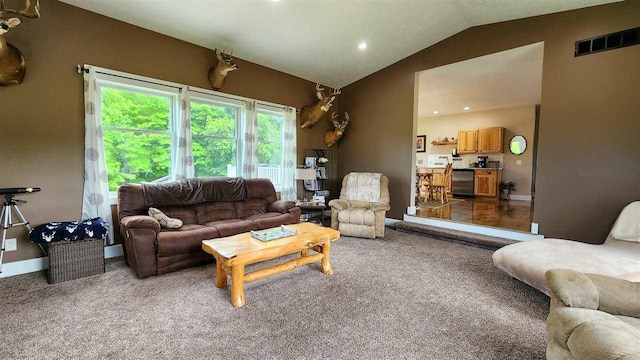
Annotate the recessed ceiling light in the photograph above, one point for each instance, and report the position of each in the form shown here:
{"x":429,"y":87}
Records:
{"x":362,"y":46}
{"x":435,"y":112}
{"x":467,"y":108}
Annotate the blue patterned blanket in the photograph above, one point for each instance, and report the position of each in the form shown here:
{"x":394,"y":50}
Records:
{"x":69,"y":230}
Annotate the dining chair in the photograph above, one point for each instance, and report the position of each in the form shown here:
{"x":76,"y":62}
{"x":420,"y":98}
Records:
{"x":440,"y":188}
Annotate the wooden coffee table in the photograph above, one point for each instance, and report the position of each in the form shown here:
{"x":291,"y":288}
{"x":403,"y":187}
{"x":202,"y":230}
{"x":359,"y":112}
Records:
{"x":233,"y":253}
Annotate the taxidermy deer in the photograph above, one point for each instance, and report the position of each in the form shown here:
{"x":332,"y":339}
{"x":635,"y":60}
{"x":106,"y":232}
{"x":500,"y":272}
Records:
{"x":12,"y":66}
{"x":218,"y":73}
{"x":311,"y":114}
{"x":332,"y":136}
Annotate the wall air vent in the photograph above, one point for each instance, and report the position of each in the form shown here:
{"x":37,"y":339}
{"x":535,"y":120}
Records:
{"x":611,"y":41}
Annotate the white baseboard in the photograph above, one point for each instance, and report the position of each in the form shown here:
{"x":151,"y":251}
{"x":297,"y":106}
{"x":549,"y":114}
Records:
{"x":42,"y":263}
{"x":520,"y":197}
{"x":476,"y":229}
{"x":388,"y":221}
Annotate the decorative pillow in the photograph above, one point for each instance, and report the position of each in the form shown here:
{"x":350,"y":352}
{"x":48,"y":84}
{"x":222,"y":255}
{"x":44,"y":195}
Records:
{"x":627,"y":226}
{"x":164,"y":220}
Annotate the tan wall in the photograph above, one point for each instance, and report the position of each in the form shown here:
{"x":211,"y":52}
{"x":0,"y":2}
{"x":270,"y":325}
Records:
{"x":588,"y":159}
{"x":42,"y":122}
{"x":516,"y":121}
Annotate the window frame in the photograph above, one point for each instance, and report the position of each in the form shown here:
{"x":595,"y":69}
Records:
{"x":240,"y":116}
{"x":271,"y":110}
{"x":143,"y":87}
{"x":247,"y":110}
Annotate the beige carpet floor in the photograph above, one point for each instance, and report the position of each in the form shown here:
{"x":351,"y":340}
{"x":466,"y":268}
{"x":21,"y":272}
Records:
{"x":403,"y":297}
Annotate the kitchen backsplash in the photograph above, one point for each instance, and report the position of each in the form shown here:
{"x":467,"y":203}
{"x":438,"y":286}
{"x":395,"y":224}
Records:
{"x":460,"y":162}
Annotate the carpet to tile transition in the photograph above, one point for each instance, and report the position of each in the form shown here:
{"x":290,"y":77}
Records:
{"x":404,"y":296}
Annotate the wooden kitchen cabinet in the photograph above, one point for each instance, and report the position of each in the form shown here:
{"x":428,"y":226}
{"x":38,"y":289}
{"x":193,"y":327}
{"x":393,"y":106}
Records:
{"x":467,"y":141}
{"x":490,"y":140}
{"x":486,"y":182}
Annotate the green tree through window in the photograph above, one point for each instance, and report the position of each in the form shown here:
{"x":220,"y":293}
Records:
{"x":215,"y":145}
{"x":137,"y":141}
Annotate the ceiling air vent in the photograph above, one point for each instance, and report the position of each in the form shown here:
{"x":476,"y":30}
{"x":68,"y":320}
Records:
{"x":611,"y":41}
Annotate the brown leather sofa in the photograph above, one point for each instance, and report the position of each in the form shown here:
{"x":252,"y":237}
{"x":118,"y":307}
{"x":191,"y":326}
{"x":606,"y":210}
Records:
{"x":208,"y":207}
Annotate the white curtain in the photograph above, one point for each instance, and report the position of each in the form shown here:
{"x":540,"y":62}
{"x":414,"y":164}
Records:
{"x":95,"y":197}
{"x":250,"y":159}
{"x":183,"y":163}
{"x":290,"y":156}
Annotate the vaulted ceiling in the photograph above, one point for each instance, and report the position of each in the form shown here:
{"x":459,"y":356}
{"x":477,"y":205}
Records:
{"x":318,"y":40}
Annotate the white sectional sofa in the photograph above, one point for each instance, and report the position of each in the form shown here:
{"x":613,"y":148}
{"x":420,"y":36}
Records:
{"x":619,"y":256}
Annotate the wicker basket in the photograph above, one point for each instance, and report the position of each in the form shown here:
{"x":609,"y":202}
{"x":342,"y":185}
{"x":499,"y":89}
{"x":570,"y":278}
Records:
{"x":70,"y":260}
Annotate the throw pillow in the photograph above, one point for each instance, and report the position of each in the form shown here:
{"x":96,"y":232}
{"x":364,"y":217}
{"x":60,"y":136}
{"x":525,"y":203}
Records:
{"x":164,"y":220}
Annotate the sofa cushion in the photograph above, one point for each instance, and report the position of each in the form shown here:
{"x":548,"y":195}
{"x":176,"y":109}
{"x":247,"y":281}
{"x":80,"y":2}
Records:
{"x":250,"y":207}
{"x":528,"y":261}
{"x":272,"y":219}
{"x":232,"y":226}
{"x":187,"y":239}
{"x":214,"y":211}
{"x":357,"y":217}
{"x":186,"y":213}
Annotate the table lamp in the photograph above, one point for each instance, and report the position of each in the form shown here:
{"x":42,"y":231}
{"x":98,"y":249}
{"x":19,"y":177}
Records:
{"x":305,"y":174}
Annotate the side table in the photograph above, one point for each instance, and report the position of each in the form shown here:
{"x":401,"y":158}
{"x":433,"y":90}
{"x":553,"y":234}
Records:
{"x":314,"y":211}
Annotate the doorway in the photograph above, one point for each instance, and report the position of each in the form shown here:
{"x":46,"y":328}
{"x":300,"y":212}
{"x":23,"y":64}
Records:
{"x":480,"y":116}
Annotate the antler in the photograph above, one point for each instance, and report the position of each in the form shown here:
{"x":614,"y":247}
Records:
{"x":334,"y":115}
{"x":318,"y":88}
{"x":335,"y":92}
{"x":24,"y":12}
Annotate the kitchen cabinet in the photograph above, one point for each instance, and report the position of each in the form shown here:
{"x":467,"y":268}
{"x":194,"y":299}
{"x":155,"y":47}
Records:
{"x":486,"y":182}
{"x":490,"y":140}
{"x":481,"y":141}
{"x":467,"y":141}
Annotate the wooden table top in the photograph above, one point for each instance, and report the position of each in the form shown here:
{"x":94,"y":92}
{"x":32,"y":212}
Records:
{"x":232,"y":246}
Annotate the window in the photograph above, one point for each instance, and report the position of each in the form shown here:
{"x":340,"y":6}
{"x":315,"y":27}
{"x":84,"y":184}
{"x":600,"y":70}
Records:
{"x":270,"y":132}
{"x":214,"y":131}
{"x":136,"y":133}
{"x":143,"y":133}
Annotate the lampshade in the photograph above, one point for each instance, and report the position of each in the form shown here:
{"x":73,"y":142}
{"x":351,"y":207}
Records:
{"x":305,"y":174}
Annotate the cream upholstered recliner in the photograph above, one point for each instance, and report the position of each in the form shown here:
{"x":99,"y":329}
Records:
{"x":364,"y":200}
{"x":592,"y":317}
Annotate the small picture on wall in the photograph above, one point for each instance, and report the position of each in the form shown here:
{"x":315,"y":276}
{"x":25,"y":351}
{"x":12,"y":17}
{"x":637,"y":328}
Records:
{"x":421,"y":142}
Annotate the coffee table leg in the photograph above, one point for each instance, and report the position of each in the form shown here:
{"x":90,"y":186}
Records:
{"x":221,"y":275}
{"x":326,"y":265}
{"x":237,"y":285}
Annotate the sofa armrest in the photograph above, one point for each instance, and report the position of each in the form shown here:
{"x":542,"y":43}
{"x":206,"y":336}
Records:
{"x":339,"y":204}
{"x":140,"y":222}
{"x":380,"y":206}
{"x":572,"y":288}
{"x":281,"y":206}
{"x":617,"y":296}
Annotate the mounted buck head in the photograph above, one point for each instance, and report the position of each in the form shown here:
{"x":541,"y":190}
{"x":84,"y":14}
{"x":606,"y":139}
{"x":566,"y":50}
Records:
{"x":332,"y":136}
{"x":218,"y":73}
{"x":12,"y":66}
{"x":311,"y":114}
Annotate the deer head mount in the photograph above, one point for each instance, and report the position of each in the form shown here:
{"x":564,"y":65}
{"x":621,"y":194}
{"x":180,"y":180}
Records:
{"x":218,"y":73}
{"x":332,"y":136}
{"x":311,"y":114}
{"x":12,"y":66}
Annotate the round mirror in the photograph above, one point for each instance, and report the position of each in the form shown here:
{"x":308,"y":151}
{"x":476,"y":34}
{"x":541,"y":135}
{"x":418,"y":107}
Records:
{"x":518,"y":145}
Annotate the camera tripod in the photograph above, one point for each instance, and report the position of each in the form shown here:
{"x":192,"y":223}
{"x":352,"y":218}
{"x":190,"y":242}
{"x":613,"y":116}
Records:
{"x":5,"y":220}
